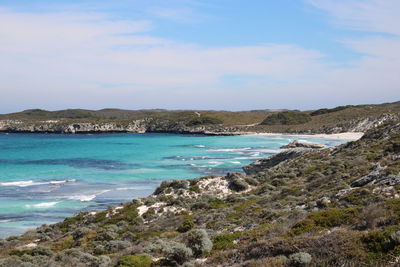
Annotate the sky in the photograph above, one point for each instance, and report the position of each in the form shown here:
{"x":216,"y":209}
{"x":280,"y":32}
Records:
{"x":198,"y":54}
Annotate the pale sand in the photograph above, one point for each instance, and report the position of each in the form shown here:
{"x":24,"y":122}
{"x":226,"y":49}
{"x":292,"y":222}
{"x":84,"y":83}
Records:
{"x":352,"y":136}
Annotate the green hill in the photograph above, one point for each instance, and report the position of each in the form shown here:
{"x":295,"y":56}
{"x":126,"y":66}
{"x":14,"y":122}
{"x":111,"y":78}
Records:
{"x":339,"y":119}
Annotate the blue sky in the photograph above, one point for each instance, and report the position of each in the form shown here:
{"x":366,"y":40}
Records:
{"x":200,"y":54}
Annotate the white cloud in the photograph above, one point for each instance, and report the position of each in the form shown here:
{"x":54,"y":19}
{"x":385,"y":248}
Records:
{"x":374,"y":76}
{"x":182,"y":14}
{"x":366,"y":15}
{"x":89,"y":60}
{"x":82,"y":57}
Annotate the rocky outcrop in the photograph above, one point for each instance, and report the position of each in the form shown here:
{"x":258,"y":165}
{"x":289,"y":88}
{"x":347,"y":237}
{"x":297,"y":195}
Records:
{"x":361,"y":125}
{"x":274,"y":160}
{"x":296,"y":144}
{"x":377,"y":177}
{"x":370,"y":123}
{"x":62,"y":127}
{"x":148,"y":125}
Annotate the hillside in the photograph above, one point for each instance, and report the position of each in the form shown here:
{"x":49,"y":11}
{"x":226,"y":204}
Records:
{"x":303,"y":207}
{"x":340,"y":119}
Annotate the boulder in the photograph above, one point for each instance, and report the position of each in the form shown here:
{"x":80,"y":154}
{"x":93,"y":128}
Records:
{"x":296,"y":144}
{"x":274,"y":160}
{"x":378,"y":178}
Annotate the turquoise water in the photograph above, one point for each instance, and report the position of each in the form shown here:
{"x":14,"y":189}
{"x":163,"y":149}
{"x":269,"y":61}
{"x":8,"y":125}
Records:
{"x":44,"y":177}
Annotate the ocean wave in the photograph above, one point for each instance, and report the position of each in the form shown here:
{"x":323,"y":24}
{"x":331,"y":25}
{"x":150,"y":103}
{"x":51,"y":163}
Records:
{"x":126,"y":188}
{"x":236,"y":162}
{"x":267,"y":150}
{"x":83,"y":198}
{"x":32,"y":183}
{"x":182,"y":158}
{"x":87,"y":198}
{"x":198,"y":165}
{"x":230,"y":149}
{"x":196,"y":146}
{"x":215,"y":163}
{"x":7,"y":220}
{"x":42,"y":205}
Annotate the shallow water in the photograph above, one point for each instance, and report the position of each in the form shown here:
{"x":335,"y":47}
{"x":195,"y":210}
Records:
{"x":44,"y":177}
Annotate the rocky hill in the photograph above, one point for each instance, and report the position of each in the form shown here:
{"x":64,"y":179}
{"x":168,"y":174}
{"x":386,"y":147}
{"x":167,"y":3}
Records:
{"x":341,"y":119}
{"x":305,"y":207}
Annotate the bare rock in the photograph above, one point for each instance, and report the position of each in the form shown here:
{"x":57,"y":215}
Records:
{"x":296,"y":144}
{"x":274,"y":160}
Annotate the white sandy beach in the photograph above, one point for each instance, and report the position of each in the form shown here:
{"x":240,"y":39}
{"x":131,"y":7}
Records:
{"x":351,"y":136}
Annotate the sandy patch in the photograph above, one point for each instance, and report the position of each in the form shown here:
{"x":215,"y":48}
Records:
{"x":345,"y":136}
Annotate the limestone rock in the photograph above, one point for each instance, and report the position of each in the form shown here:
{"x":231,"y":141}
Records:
{"x":296,"y":144}
{"x":274,"y":160}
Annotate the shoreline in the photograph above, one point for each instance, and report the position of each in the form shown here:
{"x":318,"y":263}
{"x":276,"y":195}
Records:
{"x":351,"y":136}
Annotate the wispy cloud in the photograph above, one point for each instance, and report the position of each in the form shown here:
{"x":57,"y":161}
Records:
{"x":76,"y":54}
{"x":93,"y":60}
{"x":375,"y":74}
{"x":181,"y":14}
{"x":366,"y":15}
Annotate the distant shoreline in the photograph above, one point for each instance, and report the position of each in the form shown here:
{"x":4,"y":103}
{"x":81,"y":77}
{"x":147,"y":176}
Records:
{"x":351,"y":136}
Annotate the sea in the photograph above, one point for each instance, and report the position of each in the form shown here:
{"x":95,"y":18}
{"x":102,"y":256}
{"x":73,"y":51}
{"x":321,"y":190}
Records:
{"x":45,"y":178}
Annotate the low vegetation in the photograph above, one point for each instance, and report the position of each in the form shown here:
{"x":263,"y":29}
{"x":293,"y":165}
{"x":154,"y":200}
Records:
{"x":326,"y":120}
{"x":287,"y":118}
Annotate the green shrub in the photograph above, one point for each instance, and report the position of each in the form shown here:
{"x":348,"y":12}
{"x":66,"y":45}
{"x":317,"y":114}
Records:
{"x":304,"y":226}
{"x":70,"y":222}
{"x":64,"y":243}
{"x":334,"y":217}
{"x":179,"y":254}
{"x":299,"y":259}
{"x":160,"y":189}
{"x":317,"y":221}
{"x":394,"y":205}
{"x":224,"y":241}
{"x":135,"y":261}
{"x":149,"y":213}
{"x":194,"y":188}
{"x":38,"y":251}
{"x":382,"y":241}
{"x":328,"y":110}
{"x":203,"y":120}
{"x":187,"y":223}
{"x":237,"y":182}
{"x":199,"y":242}
{"x":217,"y":203}
{"x":287,"y":118}
{"x":42,"y":251}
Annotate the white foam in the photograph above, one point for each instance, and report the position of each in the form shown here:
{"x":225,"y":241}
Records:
{"x":83,"y":198}
{"x":269,"y":151}
{"x":199,"y":146}
{"x":215,"y":163}
{"x":32,"y":183}
{"x":236,"y":162}
{"x":229,"y":149}
{"x":87,"y":198}
{"x":42,"y":205}
{"x":7,"y":220}
{"x":126,"y":188}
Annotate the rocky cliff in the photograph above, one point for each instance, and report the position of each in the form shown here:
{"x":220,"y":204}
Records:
{"x":149,"y":125}
{"x":156,"y":125}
